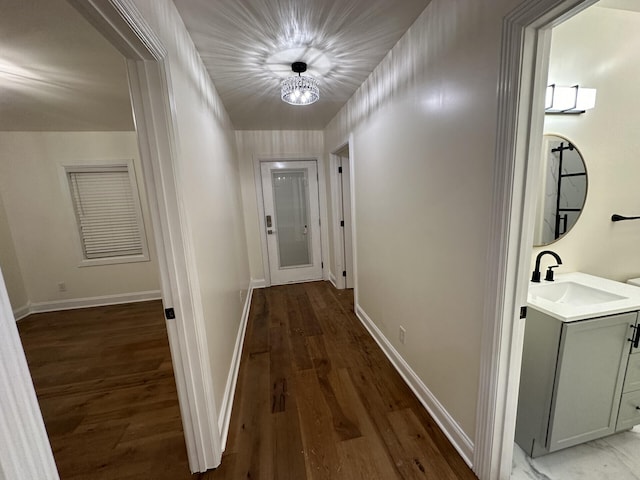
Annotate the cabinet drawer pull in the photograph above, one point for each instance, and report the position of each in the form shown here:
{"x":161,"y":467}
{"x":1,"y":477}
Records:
{"x":636,"y":336}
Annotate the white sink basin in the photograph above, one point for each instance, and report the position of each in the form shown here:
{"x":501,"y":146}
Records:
{"x":578,"y":296}
{"x":572,"y":293}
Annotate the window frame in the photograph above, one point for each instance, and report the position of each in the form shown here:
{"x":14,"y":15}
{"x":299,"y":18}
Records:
{"x":135,"y":193}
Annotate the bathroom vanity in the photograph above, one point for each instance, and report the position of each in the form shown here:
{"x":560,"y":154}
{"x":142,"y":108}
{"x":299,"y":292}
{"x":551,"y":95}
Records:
{"x":580,"y":376}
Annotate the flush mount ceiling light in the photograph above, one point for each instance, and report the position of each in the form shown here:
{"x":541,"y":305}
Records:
{"x":569,"y":99}
{"x":299,"y":90}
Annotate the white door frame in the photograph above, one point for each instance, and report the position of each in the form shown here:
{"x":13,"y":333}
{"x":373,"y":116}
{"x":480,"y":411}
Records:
{"x":322,"y":191}
{"x":153,"y":107}
{"x":526,"y":40}
{"x":299,"y":273}
{"x":338,"y":214}
{"x":25,"y":451}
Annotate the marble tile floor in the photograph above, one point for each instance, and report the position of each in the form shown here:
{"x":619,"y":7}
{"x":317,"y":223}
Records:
{"x":616,"y":457}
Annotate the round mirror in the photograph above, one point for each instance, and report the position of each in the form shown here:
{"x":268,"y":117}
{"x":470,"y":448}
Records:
{"x":563,"y":189}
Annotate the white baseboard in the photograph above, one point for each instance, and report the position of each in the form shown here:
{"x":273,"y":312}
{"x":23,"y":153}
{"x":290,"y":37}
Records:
{"x":224,"y":418}
{"x":332,"y":279}
{"x":21,"y":312}
{"x":258,"y":283}
{"x":101,"y":301}
{"x":445,"y":421}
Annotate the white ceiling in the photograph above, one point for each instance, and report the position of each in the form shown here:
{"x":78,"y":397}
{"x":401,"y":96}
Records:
{"x":57,"y":73}
{"x":248,"y":47}
{"x":631,"y":5}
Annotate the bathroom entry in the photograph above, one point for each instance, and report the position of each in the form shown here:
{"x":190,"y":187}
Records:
{"x":575,"y":60}
{"x":292,"y":220}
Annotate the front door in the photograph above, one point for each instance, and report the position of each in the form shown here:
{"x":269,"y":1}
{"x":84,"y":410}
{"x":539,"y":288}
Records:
{"x":292,"y":220}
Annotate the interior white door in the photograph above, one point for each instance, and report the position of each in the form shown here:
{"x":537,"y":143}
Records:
{"x":292,"y":220}
{"x":345,"y":187}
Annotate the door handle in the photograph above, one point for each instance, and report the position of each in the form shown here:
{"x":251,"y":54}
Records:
{"x":636,"y":336}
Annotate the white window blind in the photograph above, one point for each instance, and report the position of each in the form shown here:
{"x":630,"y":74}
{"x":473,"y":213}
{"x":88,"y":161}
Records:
{"x":108,"y":212}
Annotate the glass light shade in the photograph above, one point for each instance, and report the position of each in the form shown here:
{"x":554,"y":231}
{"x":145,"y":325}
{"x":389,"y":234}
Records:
{"x":548,"y":99}
{"x":586,"y":99}
{"x":564,"y":98}
{"x":299,"y":90}
{"x":569,"y":99}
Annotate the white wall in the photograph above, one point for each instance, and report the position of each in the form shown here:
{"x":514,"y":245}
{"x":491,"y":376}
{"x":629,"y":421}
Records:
{"x":424,"y":127}
{"x":9,"y":265}
{"x":263,"y":145}
{"x":209,"y":183}
{"x":598,"y":48}
{"x":42,"y":222}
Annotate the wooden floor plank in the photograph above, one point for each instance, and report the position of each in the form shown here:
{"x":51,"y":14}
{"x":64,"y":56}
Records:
{"x":318,"y":434}
{"x":337,"y":408}
{"x":106,"y":389}
{"x":254,"y":453}
{"x":359,"y":464}
{"x":419,"y":451}
{"x":316,"y":398}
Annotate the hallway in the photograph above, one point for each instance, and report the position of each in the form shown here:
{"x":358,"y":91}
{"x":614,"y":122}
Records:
{"x":317,"y":399}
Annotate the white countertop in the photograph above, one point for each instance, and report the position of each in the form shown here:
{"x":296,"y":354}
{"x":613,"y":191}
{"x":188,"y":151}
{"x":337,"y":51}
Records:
{"x":629,"y":301}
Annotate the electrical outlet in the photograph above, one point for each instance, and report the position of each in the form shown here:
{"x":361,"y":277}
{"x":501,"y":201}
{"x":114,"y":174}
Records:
{"x":402,"y":334}
{"x":62,"y":287}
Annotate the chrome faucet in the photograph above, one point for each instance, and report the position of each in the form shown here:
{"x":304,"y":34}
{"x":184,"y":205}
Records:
{"x":549,"y":276}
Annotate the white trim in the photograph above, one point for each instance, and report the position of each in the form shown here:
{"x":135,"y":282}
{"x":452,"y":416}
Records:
{"x":354,"y":239}
{"x":460,"y":440}
{"x":150,"y":86}
{"x":258,"y":283}
{"x":257,"y":177}
{"x":324,"y":217}
{"x":224,"y":418}
{"x":21,"y":312}
{"x":123,"y":26}
{"x":25,"y":451}
{"x":522,"y":78}
{"x":336,"y":207}
{"x":88,"y":302}
{"x":332,"y":279}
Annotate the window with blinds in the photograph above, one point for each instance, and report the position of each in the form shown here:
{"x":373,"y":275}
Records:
{"x":107,"y":207}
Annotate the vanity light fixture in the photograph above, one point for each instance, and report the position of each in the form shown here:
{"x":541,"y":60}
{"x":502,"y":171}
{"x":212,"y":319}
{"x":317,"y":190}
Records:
{"x":299,"y":90}
{"x":569,"y":99}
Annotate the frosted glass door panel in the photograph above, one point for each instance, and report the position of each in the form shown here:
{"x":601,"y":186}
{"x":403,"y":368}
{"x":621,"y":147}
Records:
{"x":291,"y":202}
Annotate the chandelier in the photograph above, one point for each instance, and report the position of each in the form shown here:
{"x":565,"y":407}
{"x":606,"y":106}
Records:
{"x":299,"y":90}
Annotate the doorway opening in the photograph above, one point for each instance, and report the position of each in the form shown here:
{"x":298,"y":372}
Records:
{"x":526,"y":62}
{"x":580,"y":150}
{"x":123,"y":26}
{"x":342,"y":275}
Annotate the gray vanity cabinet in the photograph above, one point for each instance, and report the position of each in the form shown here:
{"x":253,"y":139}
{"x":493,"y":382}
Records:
{"x":629,"y":415}
{"x":572,"y":380}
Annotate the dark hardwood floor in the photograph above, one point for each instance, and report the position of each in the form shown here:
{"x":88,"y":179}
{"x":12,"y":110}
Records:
{"x":316,"y":398}
{"x":105,"y":384}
